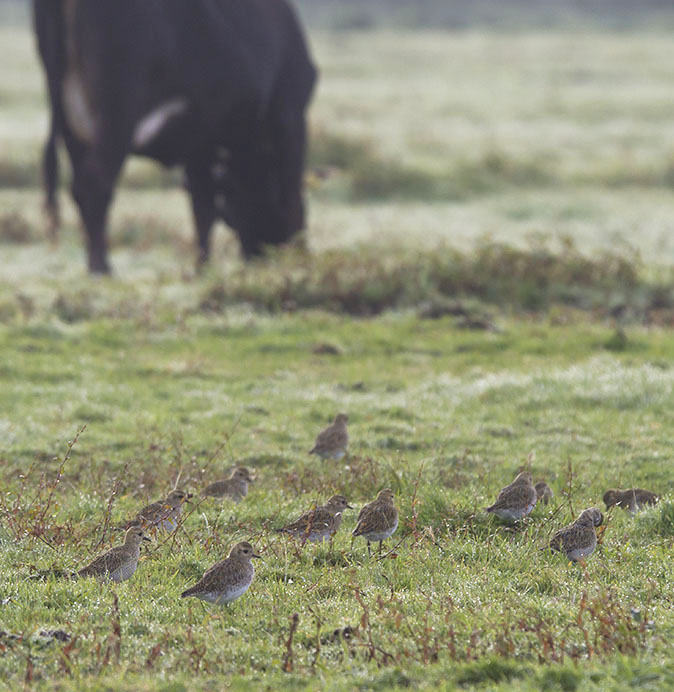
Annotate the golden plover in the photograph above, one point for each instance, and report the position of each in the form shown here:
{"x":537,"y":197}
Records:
{"x":543,"y":492}
{"x":378,"y":520}
{"x":227,"y":579}
{"x":579,"y":539}
{"x":332,"y":442}
{"x":516,"y":500}
{"x":118,"y":563}
{"x":164,"y":514}
{"x":631,"y":500}
{"x":320,"y":523}
{"x":235,"y":487}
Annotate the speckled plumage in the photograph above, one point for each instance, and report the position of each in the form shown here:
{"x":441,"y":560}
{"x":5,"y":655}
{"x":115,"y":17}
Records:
{"x":543,"y":492}
{"x":578,"y":539}
{"x":319,"y":523}
{"x":632,"y":499}
{"x":118,"y":563}
{"x":378,"y":520}
{"x":235,"y":487}
{"x":164,"y":514}
{"x":228,"y":579}
{"x":332,"y":442}
{"x":516,"y":500}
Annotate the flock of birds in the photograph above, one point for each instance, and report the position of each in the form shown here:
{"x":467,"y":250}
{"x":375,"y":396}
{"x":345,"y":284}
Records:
{"x":230,"y":578}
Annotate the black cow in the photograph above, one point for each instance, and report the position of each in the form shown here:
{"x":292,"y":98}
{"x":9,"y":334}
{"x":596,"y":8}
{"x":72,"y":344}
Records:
{"x":217,"y":86}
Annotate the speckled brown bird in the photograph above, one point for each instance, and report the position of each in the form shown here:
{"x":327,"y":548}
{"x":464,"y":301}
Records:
{"x":543,"y":492}
{"x":235,"y":487}
{"x":579,"y":539}
{"x":320,"y":523}
{"x":164,"y":514}
{"x":118,"y":563}
{"x":332,"y":442}
{"x":226,"y":580}
{"x":516,"y":500}
{"x":378,"y":520}
{"x":632,"y":499}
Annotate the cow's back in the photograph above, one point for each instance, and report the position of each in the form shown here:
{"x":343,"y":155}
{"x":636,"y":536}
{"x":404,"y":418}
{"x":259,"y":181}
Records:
{"x":224,"y":59}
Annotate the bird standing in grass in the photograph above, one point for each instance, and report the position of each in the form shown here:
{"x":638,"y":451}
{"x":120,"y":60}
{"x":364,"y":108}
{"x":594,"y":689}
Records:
{"x":164,"y":514}
{"x":235,"y":487}
{"x":118,"y":563}
{"x":332,"y":442}
{"x":543,"y":492}
{"x":578,"y":539}
{"x":378,"y":520}
{"x":319,"y":523}
{"x":226,"y":580}
{"x":516,"y":500}
{"x":631,"y":500}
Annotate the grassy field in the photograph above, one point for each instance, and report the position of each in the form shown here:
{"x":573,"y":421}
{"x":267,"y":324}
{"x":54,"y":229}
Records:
{"x":487,"y":287}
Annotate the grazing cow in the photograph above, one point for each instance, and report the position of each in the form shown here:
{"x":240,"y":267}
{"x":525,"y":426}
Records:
{"x":219,"y":87}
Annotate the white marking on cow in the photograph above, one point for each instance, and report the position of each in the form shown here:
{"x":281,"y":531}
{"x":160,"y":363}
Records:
{"x":76,"y":106}
{"x":150,"y":125}
{"x":78,"y":111}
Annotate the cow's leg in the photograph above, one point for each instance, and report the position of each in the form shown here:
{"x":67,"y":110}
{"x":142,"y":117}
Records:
{"x":201,"y":186}
{"x":50,"y":173}
{"x":94,"y":178}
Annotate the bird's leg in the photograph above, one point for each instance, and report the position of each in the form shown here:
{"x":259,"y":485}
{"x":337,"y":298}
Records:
{"x":369,"y":554}
{"x":381,"y":543}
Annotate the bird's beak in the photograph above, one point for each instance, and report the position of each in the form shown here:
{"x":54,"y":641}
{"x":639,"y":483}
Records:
{"x":348,"y":506}
{"x":259,"y":557}
{"x":147,"y":538}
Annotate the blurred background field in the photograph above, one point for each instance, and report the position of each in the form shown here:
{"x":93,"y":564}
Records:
{"x":488,"y":285}
{"x":443,"y":135}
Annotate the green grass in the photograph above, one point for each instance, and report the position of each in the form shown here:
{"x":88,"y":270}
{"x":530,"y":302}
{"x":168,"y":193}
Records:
{"x":443,"y":416}
{"x":486,"y":286}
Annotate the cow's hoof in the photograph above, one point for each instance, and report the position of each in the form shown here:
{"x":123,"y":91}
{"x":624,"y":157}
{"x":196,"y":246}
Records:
{"x":99,"y":270}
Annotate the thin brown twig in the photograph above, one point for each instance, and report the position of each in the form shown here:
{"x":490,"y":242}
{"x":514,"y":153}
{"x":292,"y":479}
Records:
{"x":59,"y":473}
{"x":288,"y":657}
{"x":222,"y":445}
{"x":392,"y":550}
{"x":111,"y":500}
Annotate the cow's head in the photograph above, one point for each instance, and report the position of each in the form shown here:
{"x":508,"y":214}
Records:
{"x":264,"y":200}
